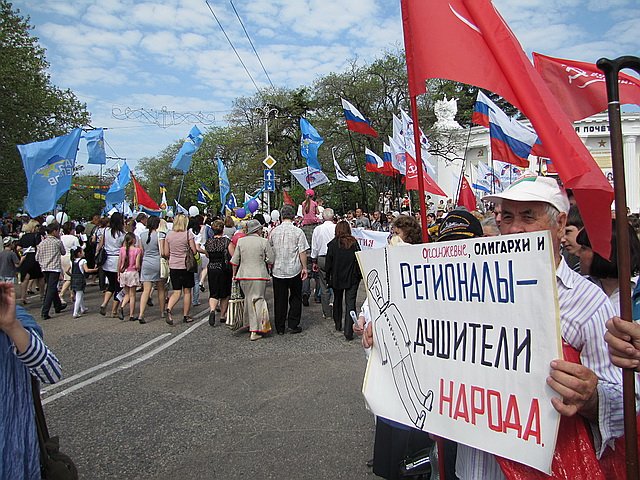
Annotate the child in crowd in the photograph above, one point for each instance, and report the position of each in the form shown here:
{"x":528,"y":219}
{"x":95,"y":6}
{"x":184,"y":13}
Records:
{"x":78,"y":272}
{"x":9,"y":261}
{"x":129,"y":273}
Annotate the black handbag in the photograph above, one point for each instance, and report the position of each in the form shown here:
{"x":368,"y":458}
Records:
{"x":54,"y":464}
{"x":101,"y":257}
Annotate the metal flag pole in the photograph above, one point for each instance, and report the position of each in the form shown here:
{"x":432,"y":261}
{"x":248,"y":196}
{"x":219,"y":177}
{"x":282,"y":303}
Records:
{"x":365,"y":204}
{"x":611,"y":68}
{"x":416,"y":140}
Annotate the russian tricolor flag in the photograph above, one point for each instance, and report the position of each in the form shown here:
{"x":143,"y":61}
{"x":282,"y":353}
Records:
{"x":356,"y":121}
{"x":511,"y":141}
{"x":373,"y":163}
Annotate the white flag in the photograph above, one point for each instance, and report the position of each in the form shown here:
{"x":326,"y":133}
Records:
{"x":309,"y":177}
{"x":340,"y":175}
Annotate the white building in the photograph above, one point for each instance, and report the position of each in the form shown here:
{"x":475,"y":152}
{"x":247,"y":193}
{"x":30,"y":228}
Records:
{"x":594,"y":132}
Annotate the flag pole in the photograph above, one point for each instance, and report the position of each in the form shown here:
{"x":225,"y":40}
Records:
{"x":416,"y":141}
{"x":184,"y":174}
{"x":611,"y":69}
{"x":464,"y":164}
{"x":364,"y":195}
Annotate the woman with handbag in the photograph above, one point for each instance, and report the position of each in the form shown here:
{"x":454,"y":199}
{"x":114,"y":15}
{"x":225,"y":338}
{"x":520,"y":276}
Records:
{"x":343,"y":275}
{"x":249,"y":262}
{"x":110,"y":242}
{"x":219,"y":271}
{"x":180,"y":250}
{"x":152,"y":242}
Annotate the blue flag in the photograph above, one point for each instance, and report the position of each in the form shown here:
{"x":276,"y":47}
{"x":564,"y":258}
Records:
{"x":48,"y":166}
{"x":189,"y":147}
{"x":116,"y":190}
{"x":180,"y":209}
{"x":223,"y":182}
{"x":309,"y":144}
{"x":231,"y":202}
{"x":95,"y":147}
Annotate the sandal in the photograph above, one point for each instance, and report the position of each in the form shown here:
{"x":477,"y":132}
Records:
{"x":142,"y":320}
{"x":169,"y":318}
{"x":187,"y":319}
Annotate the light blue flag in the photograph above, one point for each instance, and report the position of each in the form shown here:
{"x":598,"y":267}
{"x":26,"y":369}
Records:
{"x":223,"y":182}
{"x":115,"y":194}
{"x":95,"y":147}
{"x":189,"y":147}
{"x":48,"y":166}
{"x":309,"y":144}
{"x":196,"y":136}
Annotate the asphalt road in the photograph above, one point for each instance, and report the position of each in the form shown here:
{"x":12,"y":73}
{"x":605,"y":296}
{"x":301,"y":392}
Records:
{"x":195,"y":402}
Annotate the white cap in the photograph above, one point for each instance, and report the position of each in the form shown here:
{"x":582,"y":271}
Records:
{"x":534,"y":189}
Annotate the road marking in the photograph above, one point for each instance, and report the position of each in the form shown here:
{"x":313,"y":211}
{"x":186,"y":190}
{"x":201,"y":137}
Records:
{"x":104,"y":364}
{"x":129,"y":364}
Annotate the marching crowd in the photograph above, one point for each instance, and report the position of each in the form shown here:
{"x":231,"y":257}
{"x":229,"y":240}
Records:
{"x":130,"y":258}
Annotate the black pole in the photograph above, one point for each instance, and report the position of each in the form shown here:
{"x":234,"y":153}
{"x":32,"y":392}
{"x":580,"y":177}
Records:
{"x":364,"y":194}
{"x":611,"y":68}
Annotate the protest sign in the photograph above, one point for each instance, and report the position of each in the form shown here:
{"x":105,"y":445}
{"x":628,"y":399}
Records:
{"x":464,"y":333}
{"x":368,"y":239}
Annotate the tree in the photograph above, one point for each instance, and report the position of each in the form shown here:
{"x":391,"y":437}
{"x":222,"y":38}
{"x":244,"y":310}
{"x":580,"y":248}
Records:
{"x":31,"y":107}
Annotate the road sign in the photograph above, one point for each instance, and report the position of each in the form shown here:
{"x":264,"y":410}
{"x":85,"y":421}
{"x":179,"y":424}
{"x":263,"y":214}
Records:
{"x":269,"y":162}
{"x":269,"y":175}
{"x":270,"y":185}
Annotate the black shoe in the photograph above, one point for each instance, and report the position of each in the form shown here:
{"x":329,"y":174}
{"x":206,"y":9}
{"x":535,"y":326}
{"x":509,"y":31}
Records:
{"x":45,"y":317}
{"x":201,"y":288}
{"x":305,"y":300}
{"x":150,"y":303}
{"x":142,"y":320}
{"x":297,"y":329}
{"x":212,"y":318}
{"x":280,"y":332}
{"x":348,"y":337}
{"x":62,"y":307}
{"x":338,"y":328}
{"x":370,"y":463}
{"x":133,"y":319}
{"x":121,"y":313}
{"x":103,"y":310}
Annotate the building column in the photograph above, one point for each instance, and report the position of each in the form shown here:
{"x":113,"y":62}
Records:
{"x":631,"y":172}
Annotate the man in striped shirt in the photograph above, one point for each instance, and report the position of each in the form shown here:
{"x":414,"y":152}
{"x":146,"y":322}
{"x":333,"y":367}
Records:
{"x":593,"y":388}
{"x":23,"y":354}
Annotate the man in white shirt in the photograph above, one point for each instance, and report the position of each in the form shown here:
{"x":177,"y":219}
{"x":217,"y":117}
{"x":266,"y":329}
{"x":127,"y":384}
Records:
{"x":289,"y":270}
{"x":141,"y":224}
{"x":322,"y":235}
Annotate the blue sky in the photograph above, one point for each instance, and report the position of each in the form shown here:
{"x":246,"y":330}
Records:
{"x":138,"y":54}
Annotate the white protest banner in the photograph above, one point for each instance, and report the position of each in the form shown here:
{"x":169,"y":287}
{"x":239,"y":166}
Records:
{"x":464,"y":332}
{"x":369,"y":239}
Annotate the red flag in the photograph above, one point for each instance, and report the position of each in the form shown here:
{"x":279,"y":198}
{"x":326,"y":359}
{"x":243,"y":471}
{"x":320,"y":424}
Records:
{"x":286,"y":199}
{"x":142,"y":198}
{"x":411,"y":178}
{"x":466,"y":198}
{"x":468,"y":41}
{"x":580,"y":86}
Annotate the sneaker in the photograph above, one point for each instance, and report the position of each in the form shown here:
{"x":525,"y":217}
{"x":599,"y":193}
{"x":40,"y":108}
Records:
{"x":76,"y":316}
{"x":212,"y":318}
{"x":84,"y":310}
{"x":255,"y":336}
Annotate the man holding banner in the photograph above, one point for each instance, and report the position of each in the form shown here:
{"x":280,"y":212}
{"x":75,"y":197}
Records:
{"x":586,"y":388}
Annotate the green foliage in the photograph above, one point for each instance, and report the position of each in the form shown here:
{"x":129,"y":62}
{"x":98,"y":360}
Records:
{"x":31,"y":107}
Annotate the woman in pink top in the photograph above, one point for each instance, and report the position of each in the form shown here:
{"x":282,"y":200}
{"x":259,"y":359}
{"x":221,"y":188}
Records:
{"x":129,"y":262}
{"x":310,"y":209}
{"x":178,"y":241}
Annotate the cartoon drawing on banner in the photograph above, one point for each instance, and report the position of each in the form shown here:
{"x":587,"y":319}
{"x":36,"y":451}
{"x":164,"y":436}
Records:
{"x":392,"y":335}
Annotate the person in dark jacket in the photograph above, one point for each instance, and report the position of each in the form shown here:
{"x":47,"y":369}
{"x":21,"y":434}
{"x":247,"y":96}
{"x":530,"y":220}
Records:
{"x":343,"y":275}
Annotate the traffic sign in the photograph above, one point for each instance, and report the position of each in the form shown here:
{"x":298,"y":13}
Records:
{"x":269,"y":162}
{"x":269,"y":175}
{"x":270,"y":185}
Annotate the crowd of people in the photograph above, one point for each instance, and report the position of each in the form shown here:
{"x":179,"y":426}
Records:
{"x":310,"y":254}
